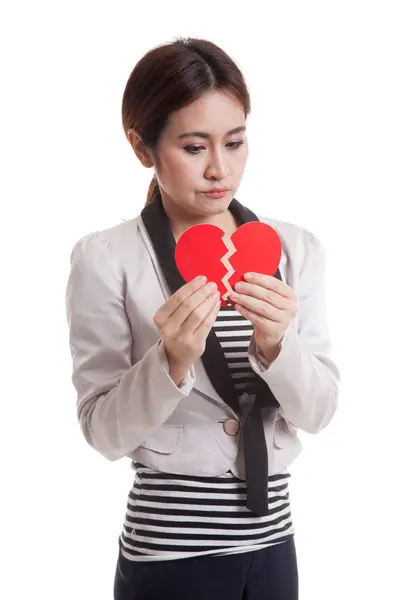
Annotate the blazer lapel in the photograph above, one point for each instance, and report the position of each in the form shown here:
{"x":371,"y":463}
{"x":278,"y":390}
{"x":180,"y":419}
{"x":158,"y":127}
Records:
{"x":158,"y":228}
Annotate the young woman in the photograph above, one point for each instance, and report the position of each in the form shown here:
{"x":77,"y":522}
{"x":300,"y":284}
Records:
{"x":205,"y":400}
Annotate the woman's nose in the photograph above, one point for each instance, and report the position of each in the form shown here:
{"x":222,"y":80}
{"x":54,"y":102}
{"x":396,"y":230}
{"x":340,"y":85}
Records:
{"x":217,"y":167}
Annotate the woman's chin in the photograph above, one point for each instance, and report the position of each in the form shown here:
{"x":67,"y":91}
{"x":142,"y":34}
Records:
{"x":215,"y":205}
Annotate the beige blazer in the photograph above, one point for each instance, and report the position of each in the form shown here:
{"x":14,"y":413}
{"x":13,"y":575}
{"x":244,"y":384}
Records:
{"x":128,"y":405}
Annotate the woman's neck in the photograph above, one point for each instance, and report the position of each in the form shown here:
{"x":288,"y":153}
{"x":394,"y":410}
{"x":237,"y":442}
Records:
{"x":225,"y":221}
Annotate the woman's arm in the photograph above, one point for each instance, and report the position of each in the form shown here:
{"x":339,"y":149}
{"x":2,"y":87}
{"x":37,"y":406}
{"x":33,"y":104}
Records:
{"x":119,"y":405}
{"x":303,"y":377}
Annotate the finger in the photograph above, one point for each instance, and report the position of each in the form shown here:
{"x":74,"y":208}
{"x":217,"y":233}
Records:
{"x":270,"y":282}
{"x":259,"y":307}
{"x":256,"y":291}
{"x":259,"y":322}
{"x":200,"y":314}
{"x":209,"y":319}
{"x":191,"y":304}
{"x":174,"y":301}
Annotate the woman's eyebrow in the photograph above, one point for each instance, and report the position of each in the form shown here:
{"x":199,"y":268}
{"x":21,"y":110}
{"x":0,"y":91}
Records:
{"x":207,"y":135}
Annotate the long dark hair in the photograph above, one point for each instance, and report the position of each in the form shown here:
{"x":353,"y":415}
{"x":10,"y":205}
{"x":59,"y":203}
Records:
{"x":171,"y":76}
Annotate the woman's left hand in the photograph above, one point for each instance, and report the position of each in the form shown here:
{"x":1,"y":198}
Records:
{"x":270,"y":305}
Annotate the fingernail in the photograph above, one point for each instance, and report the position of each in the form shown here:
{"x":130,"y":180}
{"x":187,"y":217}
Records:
{"x":249,"y":276}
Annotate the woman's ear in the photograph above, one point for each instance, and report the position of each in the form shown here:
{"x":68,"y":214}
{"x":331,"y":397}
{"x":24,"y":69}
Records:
{"x":142,"y":152}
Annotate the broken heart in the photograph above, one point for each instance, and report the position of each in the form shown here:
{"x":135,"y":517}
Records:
{"x":206,"y":250}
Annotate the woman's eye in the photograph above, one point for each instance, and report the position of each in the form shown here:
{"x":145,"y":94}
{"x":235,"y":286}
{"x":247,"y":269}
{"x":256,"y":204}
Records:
{"x":235,"y":145}
{"x":193,"y":149}
{"x":196,"y":149}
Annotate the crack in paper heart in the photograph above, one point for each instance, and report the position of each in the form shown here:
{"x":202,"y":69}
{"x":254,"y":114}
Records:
{"x":226,"y":262}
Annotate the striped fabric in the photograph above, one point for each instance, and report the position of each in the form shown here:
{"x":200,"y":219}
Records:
{"x":171,"y":516}
{"x":234,"y":333}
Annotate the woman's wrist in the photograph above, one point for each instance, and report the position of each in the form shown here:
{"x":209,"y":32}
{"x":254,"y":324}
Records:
{"x":177,"y":370}
{"x":178,"y":373}
{"x":269,"y":353}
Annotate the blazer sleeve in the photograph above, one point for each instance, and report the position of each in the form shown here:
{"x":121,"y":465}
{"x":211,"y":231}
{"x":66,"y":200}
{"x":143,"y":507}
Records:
{"x":119,"y":404}
{"x":303,"y":378}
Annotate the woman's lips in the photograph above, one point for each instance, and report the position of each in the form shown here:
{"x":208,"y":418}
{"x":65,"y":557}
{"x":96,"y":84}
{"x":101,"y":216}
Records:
{"x":216,"y":194}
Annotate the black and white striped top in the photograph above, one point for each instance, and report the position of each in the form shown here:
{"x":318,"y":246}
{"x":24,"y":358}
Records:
{"x":173,"y":516}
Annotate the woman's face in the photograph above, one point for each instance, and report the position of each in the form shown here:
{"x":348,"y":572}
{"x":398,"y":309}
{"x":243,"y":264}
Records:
{"x":203,"y":147}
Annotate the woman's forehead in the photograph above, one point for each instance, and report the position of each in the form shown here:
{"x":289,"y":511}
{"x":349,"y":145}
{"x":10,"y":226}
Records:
{"x":214,"y":113}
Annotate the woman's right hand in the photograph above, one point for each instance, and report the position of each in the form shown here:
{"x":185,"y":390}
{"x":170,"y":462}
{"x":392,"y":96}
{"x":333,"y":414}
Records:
{"x":185,"y":320}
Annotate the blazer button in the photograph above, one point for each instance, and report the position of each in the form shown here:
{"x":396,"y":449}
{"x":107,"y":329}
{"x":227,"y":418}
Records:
{"x":231,"y":426}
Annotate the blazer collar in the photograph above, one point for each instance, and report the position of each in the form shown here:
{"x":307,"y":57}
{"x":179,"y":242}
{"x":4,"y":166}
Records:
{"x":161,"y":237}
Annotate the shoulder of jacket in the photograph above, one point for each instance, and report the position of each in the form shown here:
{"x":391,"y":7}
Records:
{"x":105,"y":241}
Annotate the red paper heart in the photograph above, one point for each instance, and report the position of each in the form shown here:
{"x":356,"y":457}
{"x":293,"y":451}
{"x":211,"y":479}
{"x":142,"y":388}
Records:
{"x":257,"y":248}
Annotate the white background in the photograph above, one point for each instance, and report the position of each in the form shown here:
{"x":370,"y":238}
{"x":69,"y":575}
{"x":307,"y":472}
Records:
{"x":324,"y":154}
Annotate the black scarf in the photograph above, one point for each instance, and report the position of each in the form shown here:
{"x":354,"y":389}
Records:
{"x":255,"y":449}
